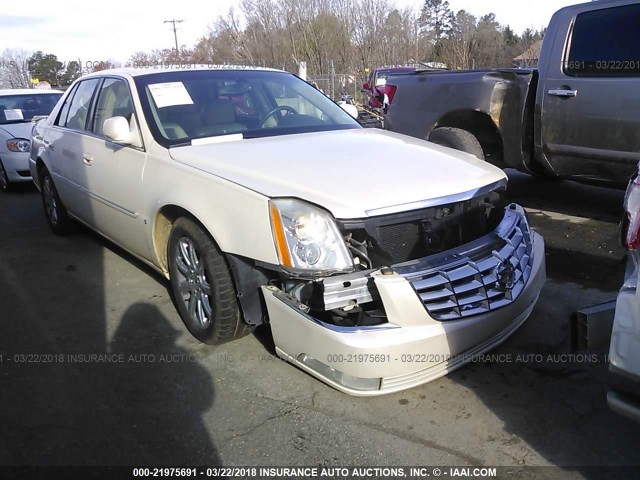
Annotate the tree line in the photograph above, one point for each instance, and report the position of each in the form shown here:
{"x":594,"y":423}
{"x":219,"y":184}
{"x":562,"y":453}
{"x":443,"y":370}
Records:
{"x":342,"y":36}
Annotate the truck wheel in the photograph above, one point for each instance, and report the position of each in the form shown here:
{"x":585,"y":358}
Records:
{"x":458,"y":139}
{"x":202,"y":286}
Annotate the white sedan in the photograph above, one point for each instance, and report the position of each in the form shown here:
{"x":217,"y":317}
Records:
{"x":380,"y":261}
{"x":17,"y":108}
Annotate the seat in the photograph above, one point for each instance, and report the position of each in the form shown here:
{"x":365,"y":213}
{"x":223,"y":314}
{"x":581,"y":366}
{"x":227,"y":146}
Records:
{"x":184,"y":116}
{"x":219,"y":118}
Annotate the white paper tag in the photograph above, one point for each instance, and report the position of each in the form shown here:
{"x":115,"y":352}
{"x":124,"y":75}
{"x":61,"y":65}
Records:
{"x":13,"y":114}
{"x":170,"y":94}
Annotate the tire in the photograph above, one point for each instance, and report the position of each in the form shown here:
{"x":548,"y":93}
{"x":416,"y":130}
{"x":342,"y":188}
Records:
{"x":5,"y":185}
{"x":202,"y":287}
{"x":457,"y":139}
{"x":55,"y":211}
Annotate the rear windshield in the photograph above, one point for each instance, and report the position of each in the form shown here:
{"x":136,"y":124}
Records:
{"x":22,"y":108}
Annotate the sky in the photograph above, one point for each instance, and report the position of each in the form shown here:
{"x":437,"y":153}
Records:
{"x":115,"y":29}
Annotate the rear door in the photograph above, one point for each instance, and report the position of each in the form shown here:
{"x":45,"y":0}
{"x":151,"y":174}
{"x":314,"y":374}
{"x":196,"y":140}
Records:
{"x":590,"y":101}
{"x":65,"y":142}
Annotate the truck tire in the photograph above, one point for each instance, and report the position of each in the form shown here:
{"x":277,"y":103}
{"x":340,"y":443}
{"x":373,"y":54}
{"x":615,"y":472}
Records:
{"x":457,"y":139}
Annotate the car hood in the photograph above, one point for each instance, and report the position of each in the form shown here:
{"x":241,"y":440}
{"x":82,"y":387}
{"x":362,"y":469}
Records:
{"x":17,"y":130}
{"x":352,"y":173}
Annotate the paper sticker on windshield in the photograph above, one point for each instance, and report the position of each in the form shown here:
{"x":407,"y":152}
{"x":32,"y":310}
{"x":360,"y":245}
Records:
{"x":13,"y":114}
{"x":170,"y":94}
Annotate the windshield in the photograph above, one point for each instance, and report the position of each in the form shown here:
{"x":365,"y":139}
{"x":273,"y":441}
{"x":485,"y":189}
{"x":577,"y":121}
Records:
{"x":22,"y":108}
{"x":185,"y":105}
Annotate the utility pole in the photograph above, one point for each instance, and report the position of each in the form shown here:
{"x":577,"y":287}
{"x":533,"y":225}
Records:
{"x":175,"y":35}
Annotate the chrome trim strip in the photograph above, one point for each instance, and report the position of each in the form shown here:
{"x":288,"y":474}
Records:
{"x":433,"y":202}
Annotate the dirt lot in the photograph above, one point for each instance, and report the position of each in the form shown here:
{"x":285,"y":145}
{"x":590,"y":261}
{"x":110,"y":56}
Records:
{"x":72,"y":308}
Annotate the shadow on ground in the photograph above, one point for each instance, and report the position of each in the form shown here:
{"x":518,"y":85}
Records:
{"x":70,"y":395}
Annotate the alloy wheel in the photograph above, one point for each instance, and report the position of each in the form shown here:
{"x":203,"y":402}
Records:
{"x":194,"y":288}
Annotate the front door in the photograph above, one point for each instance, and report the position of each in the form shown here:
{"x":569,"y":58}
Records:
{"x":590,"y":101}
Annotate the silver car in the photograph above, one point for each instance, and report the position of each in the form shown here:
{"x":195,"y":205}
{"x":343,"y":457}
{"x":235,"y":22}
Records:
{"x":624,"y":396}
{"x":17,"y":109}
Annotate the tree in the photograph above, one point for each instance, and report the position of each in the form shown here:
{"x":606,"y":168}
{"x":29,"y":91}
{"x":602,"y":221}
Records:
{"x":72,"y":72}
{"x":14,"y":72}
{"x":436,"y":20}
{"x":45,"y":67}
{"x":460,"y":46}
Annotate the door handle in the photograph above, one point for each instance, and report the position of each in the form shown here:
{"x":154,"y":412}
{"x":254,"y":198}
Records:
{"x":87,"y":160}
{"x":563,"y":93}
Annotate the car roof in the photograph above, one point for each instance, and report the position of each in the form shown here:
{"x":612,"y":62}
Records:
{"x":25,"y":91}
{"x":152,"y":70}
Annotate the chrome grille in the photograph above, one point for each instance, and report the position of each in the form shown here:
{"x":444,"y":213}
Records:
{"x":473,"y":284}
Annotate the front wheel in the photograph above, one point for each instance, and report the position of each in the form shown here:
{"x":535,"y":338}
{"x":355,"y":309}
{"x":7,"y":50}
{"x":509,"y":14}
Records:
{"x":457,"y":139}
{"x":202,"y":286}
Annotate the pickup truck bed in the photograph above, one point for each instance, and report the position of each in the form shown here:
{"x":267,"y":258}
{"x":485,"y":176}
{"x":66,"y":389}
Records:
{"x":575,"y":116}
{"x":494,"y":105}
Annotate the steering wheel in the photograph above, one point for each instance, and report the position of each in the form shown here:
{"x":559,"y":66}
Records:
{"x":278,"y":109}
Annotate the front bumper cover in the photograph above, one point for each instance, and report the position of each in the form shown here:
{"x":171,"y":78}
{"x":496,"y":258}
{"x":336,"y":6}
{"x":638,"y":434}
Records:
{"x":16,"y":164}
{"x":413,"y":347}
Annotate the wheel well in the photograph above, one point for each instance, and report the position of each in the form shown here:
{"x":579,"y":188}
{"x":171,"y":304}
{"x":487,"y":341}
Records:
{"x":164,"y":221}
{"x":482,"y":127}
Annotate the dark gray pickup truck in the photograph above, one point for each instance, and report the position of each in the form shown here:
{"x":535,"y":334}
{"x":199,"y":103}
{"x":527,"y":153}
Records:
{"x":577,"y":116}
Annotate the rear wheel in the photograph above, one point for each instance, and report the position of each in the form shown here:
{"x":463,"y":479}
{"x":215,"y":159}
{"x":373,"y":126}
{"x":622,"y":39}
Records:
{"x":5,"y":185}
{"x":55,"y":211}
{"x":457,"y":139}
{"x":202,"y":286}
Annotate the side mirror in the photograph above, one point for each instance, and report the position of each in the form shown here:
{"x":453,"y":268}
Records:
{"x":366,"y":86}
{"x":37,"y":118}
{"x":117,"y":130}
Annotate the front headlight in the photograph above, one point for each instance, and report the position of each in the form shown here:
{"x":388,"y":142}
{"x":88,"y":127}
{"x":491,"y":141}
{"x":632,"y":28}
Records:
{"x":18,"y":145}
{"x":307,"y":237}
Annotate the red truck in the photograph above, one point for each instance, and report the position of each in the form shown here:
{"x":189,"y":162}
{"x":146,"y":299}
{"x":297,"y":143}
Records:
{"x":375,"y":87}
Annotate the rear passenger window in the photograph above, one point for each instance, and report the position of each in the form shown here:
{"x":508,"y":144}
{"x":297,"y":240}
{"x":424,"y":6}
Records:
{"x":64,"y":111}
{"x":605,"y":43}
{"x":80,"y":104}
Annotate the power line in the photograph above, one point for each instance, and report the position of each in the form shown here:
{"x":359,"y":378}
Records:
{"x":175,"y":35}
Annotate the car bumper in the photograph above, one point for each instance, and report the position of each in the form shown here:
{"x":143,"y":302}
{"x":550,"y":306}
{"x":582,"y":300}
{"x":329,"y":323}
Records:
{"x":624,"y":351}
{"x":16,"y":164}
{"x":413,"y":347}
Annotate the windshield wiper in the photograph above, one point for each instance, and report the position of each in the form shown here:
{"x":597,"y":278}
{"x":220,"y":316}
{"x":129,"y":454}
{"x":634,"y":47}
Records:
{"x":183,"y":144}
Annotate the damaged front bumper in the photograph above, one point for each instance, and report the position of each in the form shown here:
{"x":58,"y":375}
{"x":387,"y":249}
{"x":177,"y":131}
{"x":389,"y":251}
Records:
{"x":441,"y":311}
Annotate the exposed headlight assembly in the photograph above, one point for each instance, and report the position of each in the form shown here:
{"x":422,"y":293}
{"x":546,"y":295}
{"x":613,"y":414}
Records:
{"x":18,"y":145}
{"x":307,"y":238}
